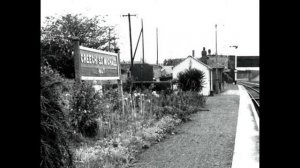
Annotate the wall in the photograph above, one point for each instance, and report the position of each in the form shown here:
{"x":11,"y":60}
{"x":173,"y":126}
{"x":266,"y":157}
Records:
{"x":142,"y":72}
{"x":248,"y":75}
{"x":194,"y":64}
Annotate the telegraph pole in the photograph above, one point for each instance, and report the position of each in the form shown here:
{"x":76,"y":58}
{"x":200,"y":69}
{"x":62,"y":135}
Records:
{"x":131,"y":57}
{"x":157,"y":45}
{"x":217,"y":76}
{"x":109,"y":29}
{"x":216,"y":41}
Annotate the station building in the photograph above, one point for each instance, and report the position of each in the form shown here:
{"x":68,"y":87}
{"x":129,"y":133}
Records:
{"x":191,"y":62}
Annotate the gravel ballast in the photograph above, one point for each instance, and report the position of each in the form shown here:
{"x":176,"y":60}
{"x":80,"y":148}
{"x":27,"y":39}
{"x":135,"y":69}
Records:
{"x":205,"y":142}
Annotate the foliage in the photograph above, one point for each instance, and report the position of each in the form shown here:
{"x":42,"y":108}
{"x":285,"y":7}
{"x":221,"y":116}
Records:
{"x":56,"y":44}
{"x":122,"y":149}
{"x":162,"y":87}
{"x":147,"y":118}
{"x":54,"y":147}
{"x":179,"y":104}
{"x":191,"y":80}
{"x":85,"y":109}
{"x":120,"y":135}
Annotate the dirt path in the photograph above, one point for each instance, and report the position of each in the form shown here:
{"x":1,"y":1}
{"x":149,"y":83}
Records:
{"x":205,"y":142}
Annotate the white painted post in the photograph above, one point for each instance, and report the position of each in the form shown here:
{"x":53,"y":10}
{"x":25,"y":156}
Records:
{"x":235,"y":70}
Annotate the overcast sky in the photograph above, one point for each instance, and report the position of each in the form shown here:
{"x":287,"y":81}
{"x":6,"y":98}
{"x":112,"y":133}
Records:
{"x":183,"y":25}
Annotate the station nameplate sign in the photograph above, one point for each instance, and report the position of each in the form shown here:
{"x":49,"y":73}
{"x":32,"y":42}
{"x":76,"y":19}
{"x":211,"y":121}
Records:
{"x":97,"y":64}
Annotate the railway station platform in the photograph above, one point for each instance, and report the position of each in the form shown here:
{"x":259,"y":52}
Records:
{"x":225,"y":136}
{"x":246,"y":148}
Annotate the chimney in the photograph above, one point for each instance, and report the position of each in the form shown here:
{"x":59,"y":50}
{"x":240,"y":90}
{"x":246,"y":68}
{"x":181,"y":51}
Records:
{"x":193,"y":53}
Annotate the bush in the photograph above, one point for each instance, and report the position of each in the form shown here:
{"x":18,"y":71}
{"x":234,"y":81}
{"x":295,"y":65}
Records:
{"x":85,"y":108}
{"x":162,"y":112}
{"x":90,"y":128}
{"x":191,"y":80}
{"x":54,"y":148}
{"x":180,"y":104}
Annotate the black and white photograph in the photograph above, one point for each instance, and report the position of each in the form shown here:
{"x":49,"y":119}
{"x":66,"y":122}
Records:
{"x":149,"y":84}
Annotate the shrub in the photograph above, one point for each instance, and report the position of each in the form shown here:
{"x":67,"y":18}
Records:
{"x":54,"y":148}
{"x":162,"y":86}
{"x":85,"y":108}
{"x":191,"y":80}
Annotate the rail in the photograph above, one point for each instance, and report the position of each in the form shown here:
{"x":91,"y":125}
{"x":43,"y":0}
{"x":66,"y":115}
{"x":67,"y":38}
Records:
{"x":249,"y":87}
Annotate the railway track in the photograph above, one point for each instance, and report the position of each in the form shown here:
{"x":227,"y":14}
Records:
{"x":253,"y":91}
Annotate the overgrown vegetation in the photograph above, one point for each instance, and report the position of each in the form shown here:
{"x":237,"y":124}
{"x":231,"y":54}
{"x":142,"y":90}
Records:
{"x":91,"y":130}
{"x":147,"y":118}
{"x":84,"y":128}
{"x":54,"y":147}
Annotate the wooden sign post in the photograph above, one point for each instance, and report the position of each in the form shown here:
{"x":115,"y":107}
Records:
{"x":77,"y":64}
{"x":120,"y":83}
{"x":94,"y":65}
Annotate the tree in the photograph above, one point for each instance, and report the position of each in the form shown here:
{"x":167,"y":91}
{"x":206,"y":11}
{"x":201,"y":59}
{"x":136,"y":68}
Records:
{"x":191,"y":80}
{"x":56,"y":44}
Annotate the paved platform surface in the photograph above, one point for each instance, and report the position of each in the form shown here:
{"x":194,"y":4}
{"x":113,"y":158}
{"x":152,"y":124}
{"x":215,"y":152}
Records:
{"x":205,"y":142}
{"x":246,"y":149}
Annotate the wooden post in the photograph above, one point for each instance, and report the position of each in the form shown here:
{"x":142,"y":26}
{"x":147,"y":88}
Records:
{"x":120,"y":83}
{"x":76,"y":59}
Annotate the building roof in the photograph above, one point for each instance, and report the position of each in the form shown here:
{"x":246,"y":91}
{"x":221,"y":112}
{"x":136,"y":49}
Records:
{"x":195,"y":60}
